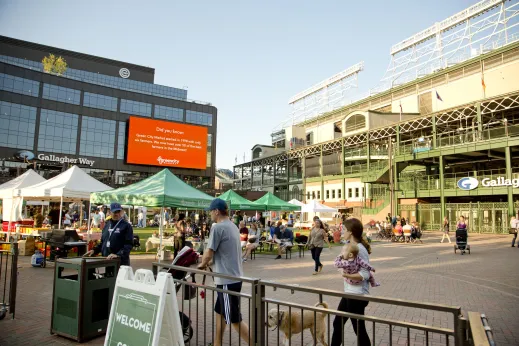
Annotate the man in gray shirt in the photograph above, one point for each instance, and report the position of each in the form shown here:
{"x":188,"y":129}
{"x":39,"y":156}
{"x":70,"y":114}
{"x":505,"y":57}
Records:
{"x":224,"y":249}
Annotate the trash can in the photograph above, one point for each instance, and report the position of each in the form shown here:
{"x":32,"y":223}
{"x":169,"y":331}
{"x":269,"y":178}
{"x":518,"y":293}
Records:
{"x":82,"y":297}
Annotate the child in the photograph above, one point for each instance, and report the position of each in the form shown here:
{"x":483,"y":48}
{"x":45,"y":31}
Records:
{"x":350,"y":263}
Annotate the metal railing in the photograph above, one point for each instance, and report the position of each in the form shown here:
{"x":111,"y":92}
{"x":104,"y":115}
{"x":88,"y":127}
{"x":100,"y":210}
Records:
{"x":8,"y":278}
{"x":275,"y":310}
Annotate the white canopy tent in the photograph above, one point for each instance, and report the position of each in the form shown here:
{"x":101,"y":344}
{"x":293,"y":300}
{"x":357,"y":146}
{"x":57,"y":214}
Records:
{"x":316,"y":207}
{"x":73,"y":185}
{"x":11,"y":204}
{"x":296,"y":202}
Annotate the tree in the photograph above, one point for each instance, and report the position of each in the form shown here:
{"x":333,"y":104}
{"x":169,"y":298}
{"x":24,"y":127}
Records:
{"x":55,"y":65}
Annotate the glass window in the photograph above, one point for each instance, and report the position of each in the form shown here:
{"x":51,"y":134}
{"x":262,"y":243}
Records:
{"x":208,"y":159}
{"x":17,"y":125}
{"x":123,"y":178}
{"x":121,"y":140}
{"x":19,"y":85}
{"x":308,"y":195}
{"x":100,"y":101}
{"x":313,"y":194}
{"x":135,"y":107}
{"x":356,"y":192}
{"x":318,"y":195}
{"x":333,"y":194}
{"x":103,"y":175}
{"x":209,"y":140}
{"x":58,"y":132}
{"x":97,"y":137}
{"x":169,"y":113}
{"x":62,"y":94}
{"x":339,"y":193}
{"x":200,"y":118}
{"x":327,"y":194}
{"x":350,"y":194}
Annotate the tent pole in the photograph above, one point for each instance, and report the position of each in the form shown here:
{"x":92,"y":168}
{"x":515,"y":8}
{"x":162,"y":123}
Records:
{"x":60,"y":211}
{"x":80,"y":213}
{"x":161,"y":231}
{"x":88,"y":221}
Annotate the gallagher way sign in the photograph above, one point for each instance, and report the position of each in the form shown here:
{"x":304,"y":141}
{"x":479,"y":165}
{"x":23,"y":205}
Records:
{"x":471,"y":183}
{"x":144,"y":312}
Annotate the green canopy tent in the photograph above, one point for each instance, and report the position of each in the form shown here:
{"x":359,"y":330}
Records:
{"x":273,"y":203}
{"x":163,"y":189}
{"x":237,"y":202}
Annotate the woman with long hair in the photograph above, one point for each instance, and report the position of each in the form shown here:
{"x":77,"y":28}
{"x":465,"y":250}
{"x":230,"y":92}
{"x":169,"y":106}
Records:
{"x":316,"y":243}
{"x":254,"y":236}
{"x":354,"y":234}
{"x":445,"y":230}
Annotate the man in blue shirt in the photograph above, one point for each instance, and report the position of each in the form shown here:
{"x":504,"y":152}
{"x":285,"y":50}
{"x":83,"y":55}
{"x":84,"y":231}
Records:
{"x":117,"y":237}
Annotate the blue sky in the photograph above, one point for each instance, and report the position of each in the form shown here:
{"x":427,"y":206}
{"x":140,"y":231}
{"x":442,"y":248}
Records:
{"x":245,"y":57}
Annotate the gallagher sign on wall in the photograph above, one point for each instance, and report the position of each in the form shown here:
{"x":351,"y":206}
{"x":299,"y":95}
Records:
{"x":470,"y":183}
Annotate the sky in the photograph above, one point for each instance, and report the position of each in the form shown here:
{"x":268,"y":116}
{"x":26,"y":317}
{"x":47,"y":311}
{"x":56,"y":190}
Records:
{"x":245,"y":57}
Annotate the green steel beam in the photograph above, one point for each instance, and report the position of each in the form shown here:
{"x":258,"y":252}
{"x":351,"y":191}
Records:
{"x":321,"y":171}
{"x":303,"y":165}
{"x":510,"y":192}
{"x":442,"y":188}
{"x":434,"y":131}
{"x":480,"y":121}
{"x":343,"y":182}
{"x":367,"y":152}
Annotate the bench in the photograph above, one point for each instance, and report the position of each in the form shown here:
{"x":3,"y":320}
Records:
{"x":271,"y":244}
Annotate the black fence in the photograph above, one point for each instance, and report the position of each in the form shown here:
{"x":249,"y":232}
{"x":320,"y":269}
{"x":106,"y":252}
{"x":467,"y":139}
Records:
{"x":275,"y":314}
{"x":8,"y":278}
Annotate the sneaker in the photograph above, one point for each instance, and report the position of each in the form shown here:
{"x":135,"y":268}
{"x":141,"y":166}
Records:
{"x":244,"y":260}
{"x":279,"y":257}
{"x":315,"y":273}
{"x":513,"y":245}
{"x":320,"y":268}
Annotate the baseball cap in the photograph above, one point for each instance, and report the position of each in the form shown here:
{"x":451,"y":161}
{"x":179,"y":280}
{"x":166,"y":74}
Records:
{"x":217,"y":204}
{"x":115,"y":207}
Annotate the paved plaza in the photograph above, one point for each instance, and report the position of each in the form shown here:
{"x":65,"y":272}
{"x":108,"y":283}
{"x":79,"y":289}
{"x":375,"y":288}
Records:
{"x":486,"y":281}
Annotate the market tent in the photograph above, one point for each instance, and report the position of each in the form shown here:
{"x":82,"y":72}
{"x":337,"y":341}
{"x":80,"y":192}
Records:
{"x":316,"y":207}
{"x":296,"y":202}
{"x":163,"y":189}
{"x":237,"y":202}
{"x":72,"y":185}
{"x":271,"y":202}
{"x":12,"y":207}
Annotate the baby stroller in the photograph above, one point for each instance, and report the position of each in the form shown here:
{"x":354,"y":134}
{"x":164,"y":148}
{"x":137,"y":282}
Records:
{"x":461,"y":241}
{"x":185,"y":258}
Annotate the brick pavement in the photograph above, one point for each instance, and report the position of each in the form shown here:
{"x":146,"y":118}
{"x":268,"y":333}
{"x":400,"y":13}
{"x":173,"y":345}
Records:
{"x":485,"y":281}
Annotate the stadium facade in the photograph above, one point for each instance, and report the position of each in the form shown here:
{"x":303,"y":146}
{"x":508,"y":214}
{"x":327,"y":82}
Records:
{"x":440,"y":144}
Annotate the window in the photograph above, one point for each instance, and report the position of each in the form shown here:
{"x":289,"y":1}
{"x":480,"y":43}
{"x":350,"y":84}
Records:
{"x":19,"y":85}
{"x":318,"y":195}
{"x":58,"y":132}
{"x":200,"y":118}
{"x":339,"y":193}
{"x":135,"y":107}
{"x":62,"y":94}
{"x":17,"y":125}
{"x":313,"y":194}
{"x":208,"y":162}
{"x":333,"y":194}
{"x":308,"y":195}
{"x":350,"y":194}
{"x":327,"y":194}
{"x":169,"y":113}
{"x":356,"y":192}
{"x":209,"y":147}
{"x":97,"y":137}
{"x":121,"y":140}
{"x":355,"y":122}
{"x":100,"y":101}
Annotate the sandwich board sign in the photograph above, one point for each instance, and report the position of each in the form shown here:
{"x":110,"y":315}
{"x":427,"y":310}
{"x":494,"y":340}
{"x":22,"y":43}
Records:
{"x":144,"y":311}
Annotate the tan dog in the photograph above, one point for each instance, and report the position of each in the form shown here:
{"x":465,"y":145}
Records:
{"x":290,"y":325}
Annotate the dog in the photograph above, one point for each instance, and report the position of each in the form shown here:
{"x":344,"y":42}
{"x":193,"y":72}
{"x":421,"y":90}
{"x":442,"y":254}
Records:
{"x":290,"y":325}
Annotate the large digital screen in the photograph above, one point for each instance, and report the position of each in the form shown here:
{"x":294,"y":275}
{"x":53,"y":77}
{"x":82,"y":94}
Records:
{"x":168,"y":144}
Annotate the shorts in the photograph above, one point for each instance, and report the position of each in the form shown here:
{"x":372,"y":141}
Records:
{"x":229,"y":305}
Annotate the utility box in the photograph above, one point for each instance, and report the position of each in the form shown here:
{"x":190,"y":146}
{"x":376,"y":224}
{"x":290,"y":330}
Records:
{"x":82,"y":296}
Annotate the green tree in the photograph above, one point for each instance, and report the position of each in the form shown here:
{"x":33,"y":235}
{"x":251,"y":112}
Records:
{"x":53,"y":64}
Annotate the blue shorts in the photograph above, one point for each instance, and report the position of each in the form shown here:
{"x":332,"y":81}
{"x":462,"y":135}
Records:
{"x":228,"y":305}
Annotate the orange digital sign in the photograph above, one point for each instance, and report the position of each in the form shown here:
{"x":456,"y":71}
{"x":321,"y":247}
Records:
{"x":168,"y":144}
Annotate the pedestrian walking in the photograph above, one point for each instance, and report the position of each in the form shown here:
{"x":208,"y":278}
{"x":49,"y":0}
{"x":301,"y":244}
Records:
{"x":224,"y":249}
{"x":514,"y":227}
{"x":354,"y":235}
{"x":445,"y":230}
{"x":316,"y":243}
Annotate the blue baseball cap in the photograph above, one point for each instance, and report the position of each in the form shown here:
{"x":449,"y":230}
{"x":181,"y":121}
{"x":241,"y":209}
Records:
{"x":217,"y":204}
{"x":115,"y":207}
